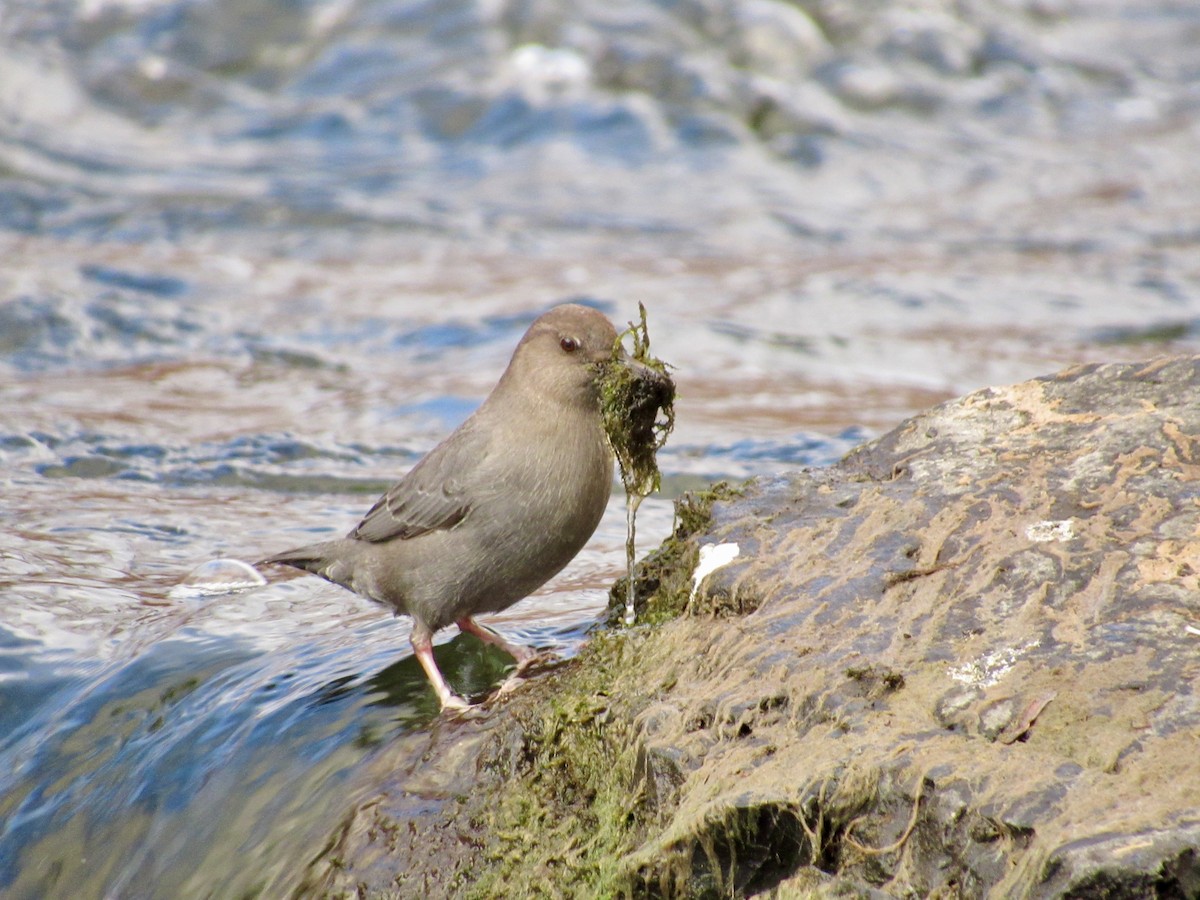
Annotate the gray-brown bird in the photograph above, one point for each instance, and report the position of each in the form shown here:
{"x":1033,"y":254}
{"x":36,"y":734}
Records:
{"x":500,"y":506}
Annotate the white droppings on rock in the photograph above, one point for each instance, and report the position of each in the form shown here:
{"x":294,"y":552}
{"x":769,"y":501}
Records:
{"x":1042,"y":532}
{"x":712,"y":557}
{"x":990,"y":668}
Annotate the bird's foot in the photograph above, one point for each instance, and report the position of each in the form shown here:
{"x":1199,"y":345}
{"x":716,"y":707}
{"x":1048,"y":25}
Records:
{"x":453,"y":702}
{"x":537,"y":661}
{"x":507,"y":686}
{"x":533,"y":664}
{"x":459,"y":711}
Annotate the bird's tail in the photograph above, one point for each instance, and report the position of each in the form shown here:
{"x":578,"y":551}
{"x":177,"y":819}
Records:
{"x":315,"y":558}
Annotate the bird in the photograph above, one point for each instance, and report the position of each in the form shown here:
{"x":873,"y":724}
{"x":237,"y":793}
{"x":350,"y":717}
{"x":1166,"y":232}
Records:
{"x":497,"y":508}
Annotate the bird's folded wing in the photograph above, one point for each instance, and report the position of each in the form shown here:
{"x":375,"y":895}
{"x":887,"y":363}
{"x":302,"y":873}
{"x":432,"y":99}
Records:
{"x":432,"y":497}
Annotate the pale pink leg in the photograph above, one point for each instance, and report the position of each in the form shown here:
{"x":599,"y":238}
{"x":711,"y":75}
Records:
{"x":422,"y":644}
{"x":521,"y":654}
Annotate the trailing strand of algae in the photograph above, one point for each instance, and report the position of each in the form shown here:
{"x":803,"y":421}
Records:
{"x":631,"y":401}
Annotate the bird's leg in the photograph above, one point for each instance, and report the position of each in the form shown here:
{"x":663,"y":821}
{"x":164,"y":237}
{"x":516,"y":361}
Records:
{"x":422,"y":644}
{"x":528,"y":660}
{"x":523,"y":655}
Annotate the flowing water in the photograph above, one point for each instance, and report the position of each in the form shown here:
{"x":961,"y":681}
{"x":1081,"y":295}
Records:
{"x":260,"y":255}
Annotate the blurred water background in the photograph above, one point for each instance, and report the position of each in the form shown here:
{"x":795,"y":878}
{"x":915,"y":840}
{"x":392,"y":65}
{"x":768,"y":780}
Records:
{"x":259,"y":255}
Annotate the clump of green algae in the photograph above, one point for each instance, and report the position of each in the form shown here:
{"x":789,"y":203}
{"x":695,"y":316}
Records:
{"x":631,"y":399}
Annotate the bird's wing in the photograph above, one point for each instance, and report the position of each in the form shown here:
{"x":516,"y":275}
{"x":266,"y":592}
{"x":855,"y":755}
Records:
{"x":431,"y":497}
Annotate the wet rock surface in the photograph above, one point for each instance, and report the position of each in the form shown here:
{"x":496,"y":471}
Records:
{"x":961,"y":662}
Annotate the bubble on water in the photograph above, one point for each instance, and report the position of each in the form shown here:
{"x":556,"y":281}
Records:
{"x":218,"y":576}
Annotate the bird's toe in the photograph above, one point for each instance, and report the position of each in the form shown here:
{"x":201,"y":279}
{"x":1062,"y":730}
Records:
{"x":454,"y":702}
{"x":537,"y":662}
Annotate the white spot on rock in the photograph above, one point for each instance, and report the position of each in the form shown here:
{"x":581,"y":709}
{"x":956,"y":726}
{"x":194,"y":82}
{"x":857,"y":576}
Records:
{"x":712,"y":557}
{"x":990,"y":668}
{"x":1041,"y":532}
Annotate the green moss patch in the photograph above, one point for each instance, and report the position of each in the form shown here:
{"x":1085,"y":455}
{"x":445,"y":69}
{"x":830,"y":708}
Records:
{"x":576,"y":804}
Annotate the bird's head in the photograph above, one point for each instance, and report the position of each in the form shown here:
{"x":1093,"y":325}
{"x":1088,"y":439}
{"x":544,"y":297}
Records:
{"x":562,"y":355}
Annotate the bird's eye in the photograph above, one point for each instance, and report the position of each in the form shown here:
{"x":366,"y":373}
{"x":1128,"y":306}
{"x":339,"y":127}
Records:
{"x":569,"y":344}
